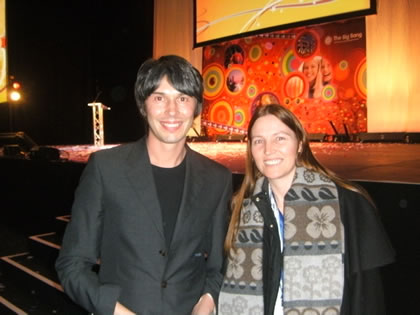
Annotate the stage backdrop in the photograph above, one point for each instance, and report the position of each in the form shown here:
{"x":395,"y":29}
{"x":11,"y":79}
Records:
{"x":318,"y":72}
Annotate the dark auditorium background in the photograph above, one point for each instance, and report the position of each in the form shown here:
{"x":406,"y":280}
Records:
{"x":66,"y":54}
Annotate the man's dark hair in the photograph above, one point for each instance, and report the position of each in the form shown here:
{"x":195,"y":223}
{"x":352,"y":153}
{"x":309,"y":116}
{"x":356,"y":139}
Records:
{"x":179,"y":73}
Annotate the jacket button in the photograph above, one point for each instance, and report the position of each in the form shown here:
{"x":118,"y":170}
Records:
{"x":164,"y":284}
{"x":162,"y":252}
{"x":257,"y":199}
{"x":271,"y":226}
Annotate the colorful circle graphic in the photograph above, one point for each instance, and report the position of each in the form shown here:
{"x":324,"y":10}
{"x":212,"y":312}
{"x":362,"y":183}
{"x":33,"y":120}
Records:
{"x":329,"y":92}
{"x":295,"y":85}
{"x":289,"y":63}
{"x":213,"y":78}
{"x":306,"y":44}
{"x":343,"y":64}
{"x":268,"y":45}
{"x":299,"y":100}
{"x":240,"y":117}
{"x":209,"y":52}
{"x":235,"y":80}
{"x":221,"y":112}
{"x":255,"y":53}
{"x":341,"y":70}
{"x":252,"y":90}
{"x":264,"y":98}
{"x":360,"y":79}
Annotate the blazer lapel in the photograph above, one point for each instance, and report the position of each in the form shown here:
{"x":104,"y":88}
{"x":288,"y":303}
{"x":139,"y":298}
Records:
{"x":193,"y":185}
{"x":139,"y":173}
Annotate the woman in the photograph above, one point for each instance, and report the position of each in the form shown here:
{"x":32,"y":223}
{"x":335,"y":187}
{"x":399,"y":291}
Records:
{"x":312,"y":70}
{"x":326,"y":71}
{"x":301,"y":240}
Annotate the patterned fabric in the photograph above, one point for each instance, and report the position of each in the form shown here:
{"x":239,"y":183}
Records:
{"x":313,"y":252}
{"x":242,"y":292}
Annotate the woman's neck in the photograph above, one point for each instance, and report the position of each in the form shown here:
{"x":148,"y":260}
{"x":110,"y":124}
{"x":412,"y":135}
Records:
{"x":281,"y":186}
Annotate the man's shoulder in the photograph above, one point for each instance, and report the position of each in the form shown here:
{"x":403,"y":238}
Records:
{"x":207,"y":163}
{"x":118,"y":151}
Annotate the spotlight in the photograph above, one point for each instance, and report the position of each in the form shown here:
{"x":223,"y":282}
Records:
{"x":16,"y":85}
{"x":15,"y":96}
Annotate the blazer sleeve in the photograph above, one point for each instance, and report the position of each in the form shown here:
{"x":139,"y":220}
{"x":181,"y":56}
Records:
{"x":214,"y":264}
{"x":81,"y":249}
{"x":367,"y":248}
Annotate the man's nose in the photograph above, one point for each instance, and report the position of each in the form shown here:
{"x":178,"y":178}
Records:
{"x":171,"y":106}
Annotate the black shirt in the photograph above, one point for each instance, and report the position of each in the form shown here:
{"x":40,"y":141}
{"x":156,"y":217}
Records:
{"x":169,"y":186}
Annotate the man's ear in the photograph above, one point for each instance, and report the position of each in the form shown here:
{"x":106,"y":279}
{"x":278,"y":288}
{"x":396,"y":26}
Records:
{"x":143,"y":112}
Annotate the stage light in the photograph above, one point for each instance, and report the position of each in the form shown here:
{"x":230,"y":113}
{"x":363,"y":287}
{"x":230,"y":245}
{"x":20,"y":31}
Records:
{"x":15,"y":96}
{"x":16,"y":85}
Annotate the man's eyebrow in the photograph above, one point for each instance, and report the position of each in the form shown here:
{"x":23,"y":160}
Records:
{"x":164,"y":93}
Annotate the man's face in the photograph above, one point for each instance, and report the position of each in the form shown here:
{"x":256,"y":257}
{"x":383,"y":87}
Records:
{"x":169,"y":113}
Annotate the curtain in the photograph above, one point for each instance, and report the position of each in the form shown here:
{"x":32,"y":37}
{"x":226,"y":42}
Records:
{"x":173,"y":30}
{"x":393,"y":65}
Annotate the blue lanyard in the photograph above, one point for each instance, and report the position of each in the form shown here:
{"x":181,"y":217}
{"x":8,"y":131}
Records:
{"x":279,"y":217}
{"x":281,"y":226}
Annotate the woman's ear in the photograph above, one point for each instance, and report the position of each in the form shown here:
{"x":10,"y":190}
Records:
{"x":300,"y":147}
{"x":299,"y":152}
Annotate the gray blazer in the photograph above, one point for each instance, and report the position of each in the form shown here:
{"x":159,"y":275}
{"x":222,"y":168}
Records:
{"x":116,"y":221}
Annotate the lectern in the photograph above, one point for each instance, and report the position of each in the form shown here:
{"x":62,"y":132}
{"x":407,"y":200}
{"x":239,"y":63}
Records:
{"x":98,"y":122}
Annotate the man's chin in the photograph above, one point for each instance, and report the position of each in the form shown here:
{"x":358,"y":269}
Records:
{"x":173,"y":138}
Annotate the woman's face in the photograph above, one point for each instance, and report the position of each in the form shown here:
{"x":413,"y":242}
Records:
{"x":274,"y":148}
{"x":310,"y":69}
{"x":326,"y":70}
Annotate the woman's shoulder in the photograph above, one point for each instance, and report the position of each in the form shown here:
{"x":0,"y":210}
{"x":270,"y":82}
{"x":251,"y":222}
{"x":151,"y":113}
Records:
{"x":364,"y":230}
{"x":353,"y":193}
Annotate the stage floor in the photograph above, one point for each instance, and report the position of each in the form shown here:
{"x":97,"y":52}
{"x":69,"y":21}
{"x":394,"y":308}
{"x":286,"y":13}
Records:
{"x":378,"y":162}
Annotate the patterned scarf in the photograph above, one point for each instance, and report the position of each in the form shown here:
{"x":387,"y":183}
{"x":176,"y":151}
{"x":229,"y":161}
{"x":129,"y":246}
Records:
{"x":313,"y":275}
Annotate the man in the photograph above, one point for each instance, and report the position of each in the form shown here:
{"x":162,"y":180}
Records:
{"x":152,"y":213}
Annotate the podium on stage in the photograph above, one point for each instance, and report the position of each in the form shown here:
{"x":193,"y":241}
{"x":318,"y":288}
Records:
{"x":98,"y":122}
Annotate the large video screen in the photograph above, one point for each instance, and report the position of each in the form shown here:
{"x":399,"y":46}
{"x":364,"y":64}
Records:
{"x":217,"y":21}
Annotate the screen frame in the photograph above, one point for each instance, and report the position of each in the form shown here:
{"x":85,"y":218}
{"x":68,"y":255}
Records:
{"x":331,"y":18}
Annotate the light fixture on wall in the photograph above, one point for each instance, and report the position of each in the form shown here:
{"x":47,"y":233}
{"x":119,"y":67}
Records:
{"x":15,"y":94}
{"x":15,"y":98}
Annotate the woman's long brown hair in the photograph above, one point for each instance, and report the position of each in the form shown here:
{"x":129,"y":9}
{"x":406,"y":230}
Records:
{"x":305,"y":158}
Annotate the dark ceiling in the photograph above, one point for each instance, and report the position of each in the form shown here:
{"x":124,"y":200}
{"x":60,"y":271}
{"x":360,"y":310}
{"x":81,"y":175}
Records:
{"x":66,"y":54}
